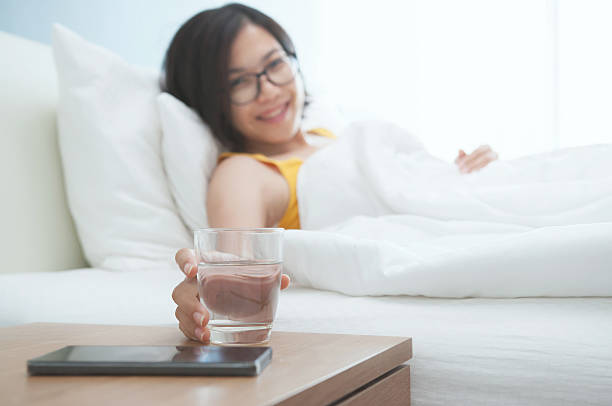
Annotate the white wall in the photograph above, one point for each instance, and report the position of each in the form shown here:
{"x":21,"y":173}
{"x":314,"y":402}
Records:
{"x":457,"y":73}
{"x":523,"y":76}
{"x":585,"y":71}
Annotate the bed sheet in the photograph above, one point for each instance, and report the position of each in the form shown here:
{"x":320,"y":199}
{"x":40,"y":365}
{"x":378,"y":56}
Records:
{"x":89,"y":295}
{"x":525,"y":351}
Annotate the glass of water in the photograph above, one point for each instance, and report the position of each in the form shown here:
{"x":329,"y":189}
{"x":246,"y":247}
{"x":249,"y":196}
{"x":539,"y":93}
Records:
{"x":239,"y":278}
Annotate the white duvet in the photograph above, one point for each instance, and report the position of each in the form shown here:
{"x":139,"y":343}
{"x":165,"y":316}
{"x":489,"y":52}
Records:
{"x":385,"y":217}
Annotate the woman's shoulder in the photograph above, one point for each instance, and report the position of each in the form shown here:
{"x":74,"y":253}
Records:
{"x":235,"y":193}
{"x":235,"y":167}
{"x":235,"y":160}
{"x":241,"y":170}
{"x":241,"y":188}
{"x":239,"y":162}
{"x":235,"y":174}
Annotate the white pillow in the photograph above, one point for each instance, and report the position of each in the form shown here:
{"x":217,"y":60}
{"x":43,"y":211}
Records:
{"x":109,"y":138}
{"x":190,"y":154}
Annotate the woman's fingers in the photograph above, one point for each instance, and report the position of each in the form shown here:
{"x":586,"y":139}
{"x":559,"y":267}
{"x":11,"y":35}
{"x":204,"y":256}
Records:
{"x":489,"y":157}
{"x":480,"y":163}
{"x":186,"y":325}
{"x":478,"y":159}
{"x":460,"y":156}
{"x":185,"y":259}
{"x":203,"y":334}
{"x":185,"y":295}
{"x":285,"y":281}
{"x":199,"y":334}
{"x":467,"y":161}
{"x":191,"y":325}
{"x":461,"y":160}
{"x":190,"y":313}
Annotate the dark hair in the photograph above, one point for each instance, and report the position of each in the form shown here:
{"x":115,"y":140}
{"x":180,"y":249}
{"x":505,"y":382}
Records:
{"x":196,"y":64}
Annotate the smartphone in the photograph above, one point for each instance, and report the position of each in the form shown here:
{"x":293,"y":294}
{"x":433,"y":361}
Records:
{"x":152,"y":360}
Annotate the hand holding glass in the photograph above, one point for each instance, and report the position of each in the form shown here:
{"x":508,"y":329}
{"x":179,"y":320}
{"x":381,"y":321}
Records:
{"x":239,"y":279}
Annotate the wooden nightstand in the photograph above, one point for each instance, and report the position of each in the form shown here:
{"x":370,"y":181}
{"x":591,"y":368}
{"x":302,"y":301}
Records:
{"x":306,"y":369}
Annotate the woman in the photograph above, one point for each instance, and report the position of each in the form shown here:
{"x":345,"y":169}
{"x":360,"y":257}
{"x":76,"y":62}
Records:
{"x":238,"y":69}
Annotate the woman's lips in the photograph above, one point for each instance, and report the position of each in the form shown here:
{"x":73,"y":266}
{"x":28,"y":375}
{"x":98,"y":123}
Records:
{"x":275,"y":115}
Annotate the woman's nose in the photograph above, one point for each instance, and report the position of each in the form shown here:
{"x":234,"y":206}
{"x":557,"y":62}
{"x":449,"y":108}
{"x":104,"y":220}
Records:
{"x":267,"y":90}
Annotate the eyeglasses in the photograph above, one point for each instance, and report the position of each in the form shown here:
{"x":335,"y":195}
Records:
{"x":246,"y":88}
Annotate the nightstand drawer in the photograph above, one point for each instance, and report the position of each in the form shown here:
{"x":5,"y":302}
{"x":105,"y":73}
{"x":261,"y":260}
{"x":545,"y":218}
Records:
{"x":391,"y":389}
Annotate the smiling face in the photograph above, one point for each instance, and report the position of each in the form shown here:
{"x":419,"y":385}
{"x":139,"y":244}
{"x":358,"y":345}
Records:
{"x":274,"y":117}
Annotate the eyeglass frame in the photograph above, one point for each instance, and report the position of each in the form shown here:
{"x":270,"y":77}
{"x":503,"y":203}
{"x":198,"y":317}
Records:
{"x":295,"y":68}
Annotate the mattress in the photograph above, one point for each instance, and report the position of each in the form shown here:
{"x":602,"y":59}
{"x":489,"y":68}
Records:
{"x":528,"y":351}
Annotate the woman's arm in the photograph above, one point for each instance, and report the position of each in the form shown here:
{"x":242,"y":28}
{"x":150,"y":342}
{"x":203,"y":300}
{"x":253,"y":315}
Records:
{"x":235,"y":194}
{"x":236,"y":198}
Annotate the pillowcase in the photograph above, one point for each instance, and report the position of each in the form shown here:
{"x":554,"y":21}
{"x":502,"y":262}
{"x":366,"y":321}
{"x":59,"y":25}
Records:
{"x":190,"y":151}
{"x":110,"y":144}
{"x":189,"y":154}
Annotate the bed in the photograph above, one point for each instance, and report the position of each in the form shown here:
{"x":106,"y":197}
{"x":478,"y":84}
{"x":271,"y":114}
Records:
{"x":528,"y":351}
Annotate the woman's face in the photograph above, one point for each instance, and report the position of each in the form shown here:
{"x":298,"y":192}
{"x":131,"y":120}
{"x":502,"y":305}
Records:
{"x":274,"y":116}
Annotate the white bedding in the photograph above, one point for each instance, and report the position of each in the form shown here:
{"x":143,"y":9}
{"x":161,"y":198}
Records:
{"x":389,"y":218}
{"x":529,"y":351}
{"x":89,"y":295}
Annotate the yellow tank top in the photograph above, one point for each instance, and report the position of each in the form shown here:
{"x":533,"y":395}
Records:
{"x":288,"y":168}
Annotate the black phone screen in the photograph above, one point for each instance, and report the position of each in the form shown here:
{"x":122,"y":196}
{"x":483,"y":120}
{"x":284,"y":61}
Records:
{"x":197,"y":360}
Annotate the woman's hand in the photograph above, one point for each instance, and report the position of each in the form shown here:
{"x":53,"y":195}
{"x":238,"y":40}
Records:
{"x":190,"y":313}
{"x":481,"y":157}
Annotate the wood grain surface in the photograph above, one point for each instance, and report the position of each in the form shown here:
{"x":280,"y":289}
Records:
{"x":306,"y":369}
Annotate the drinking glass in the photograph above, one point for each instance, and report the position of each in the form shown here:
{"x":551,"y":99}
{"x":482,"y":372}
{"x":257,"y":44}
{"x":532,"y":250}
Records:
{"x":239,"y":278}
